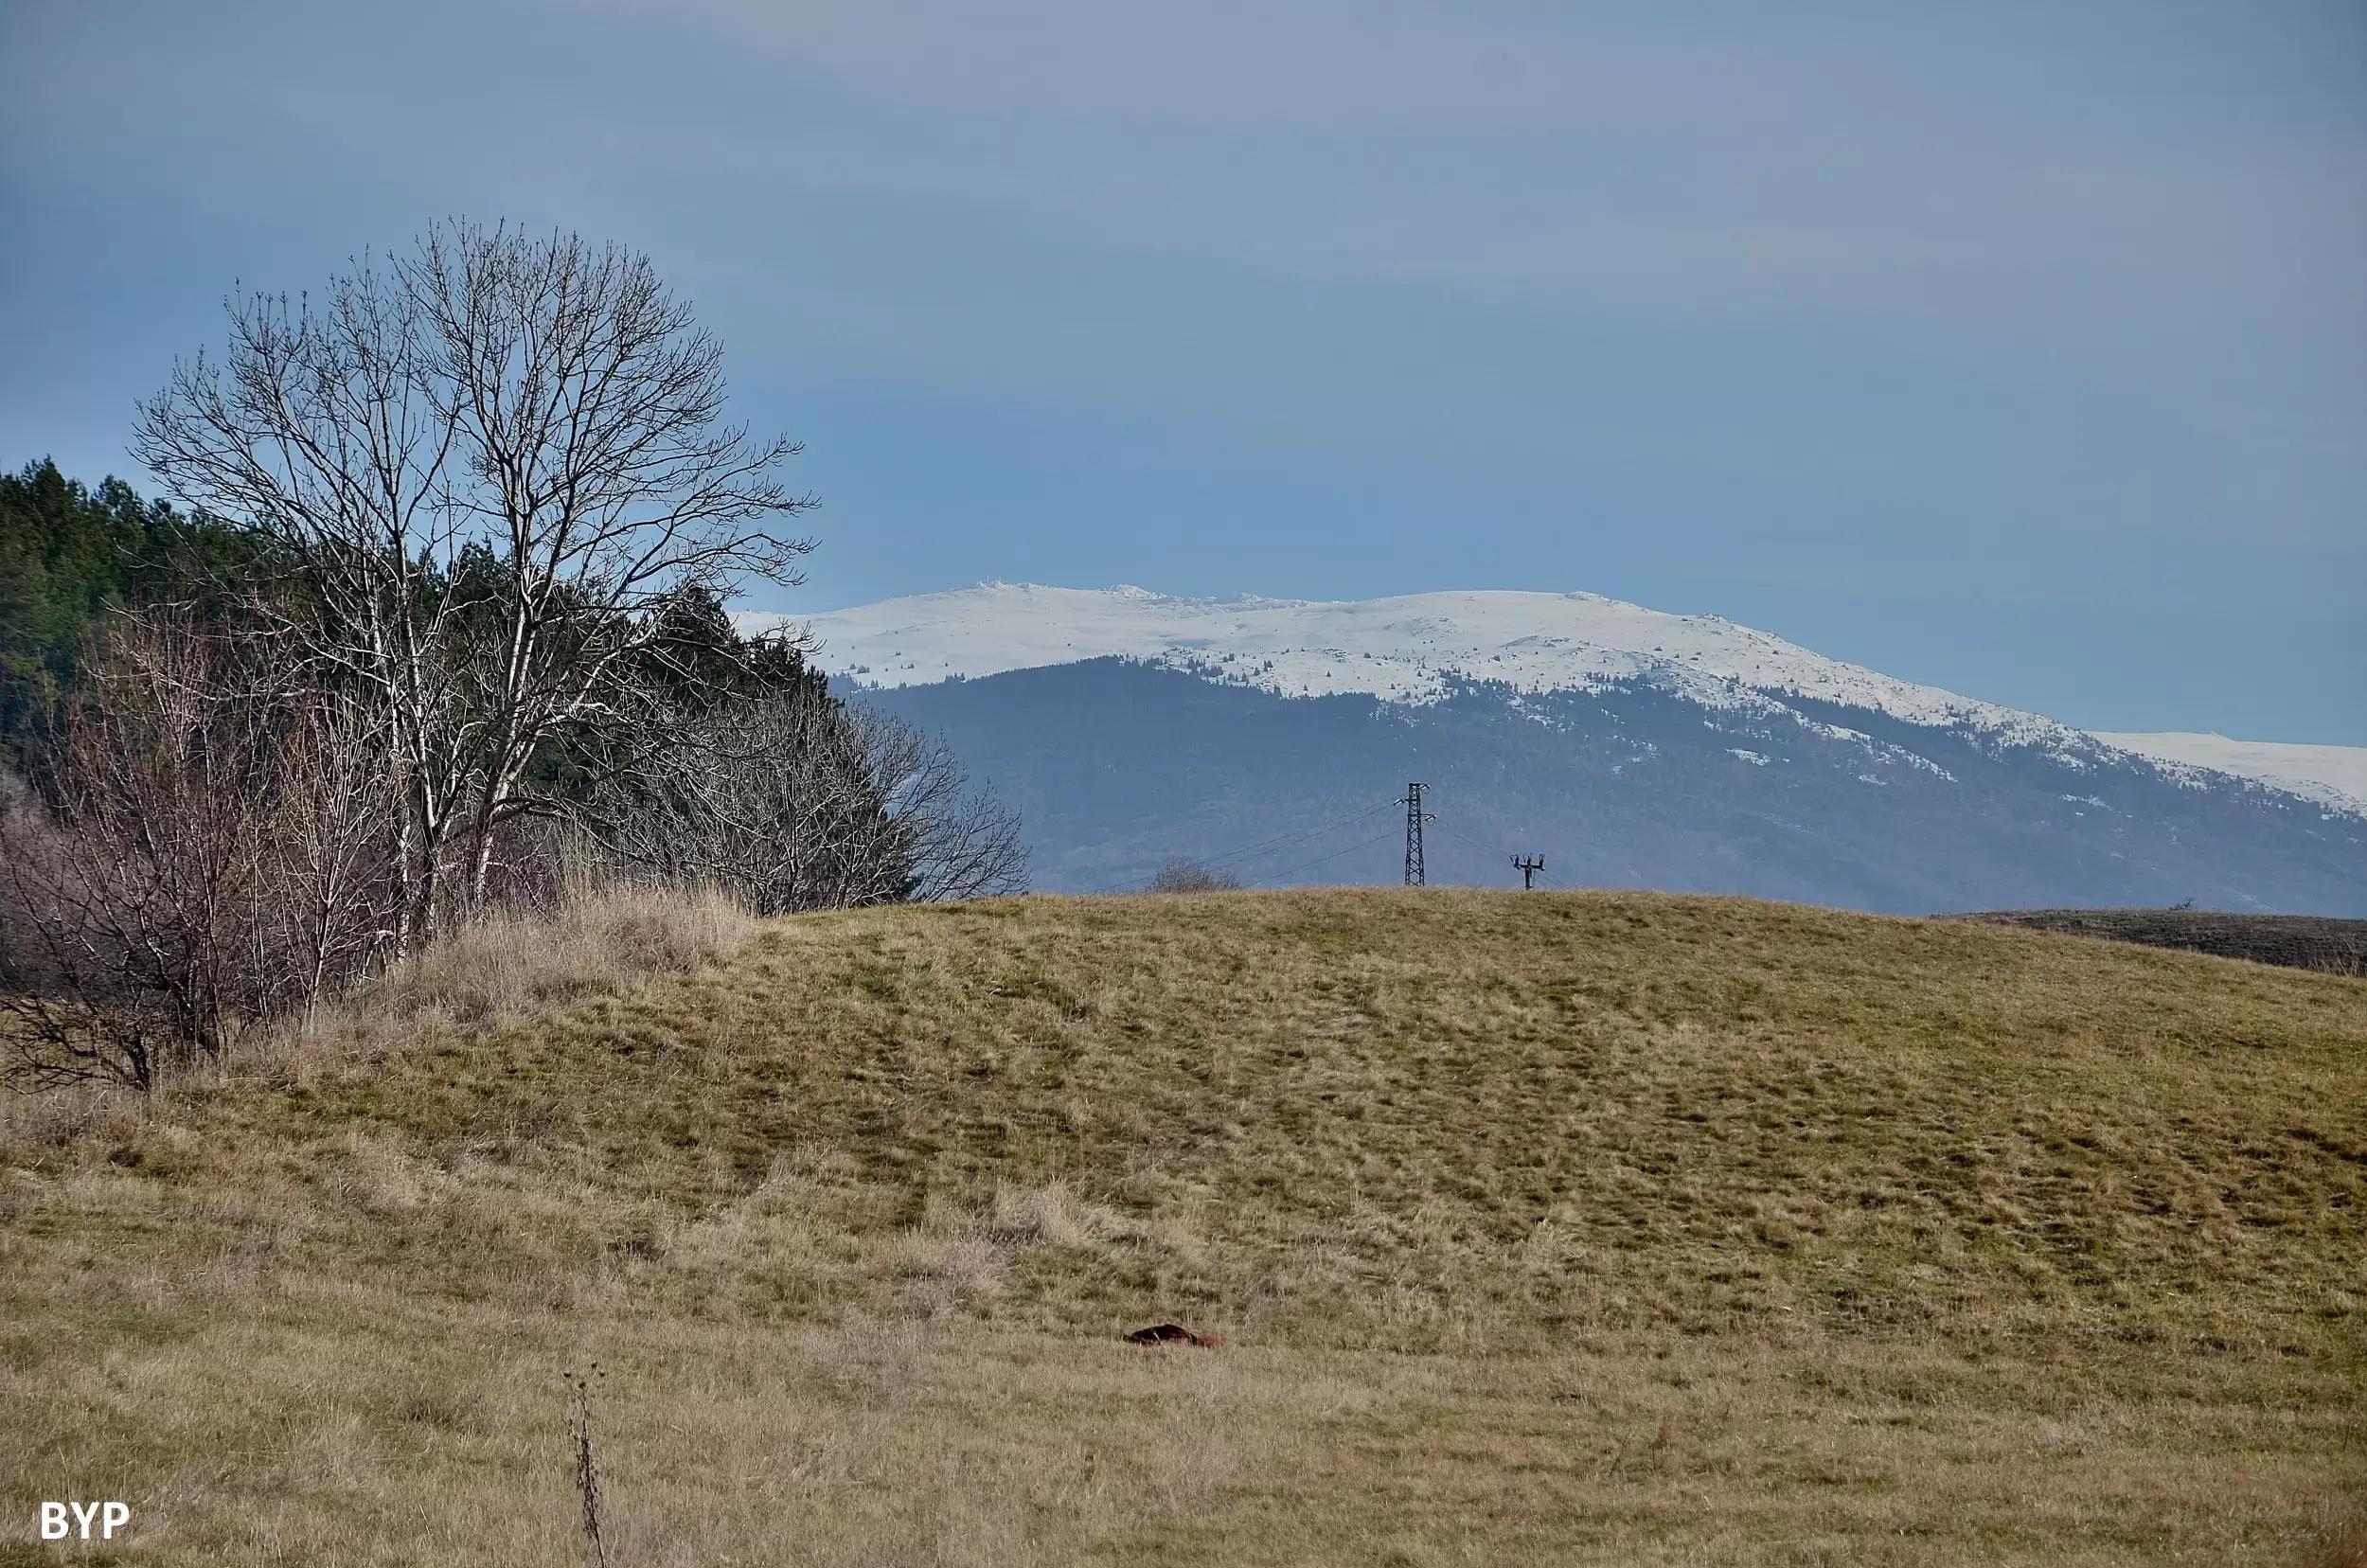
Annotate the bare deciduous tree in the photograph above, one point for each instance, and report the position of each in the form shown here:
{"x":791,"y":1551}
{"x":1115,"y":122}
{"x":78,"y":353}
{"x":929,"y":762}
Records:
{"x":484,"y":468}
{"x":332,"y":896}
{"x":795,"y":802}
{"x":955,"y":841}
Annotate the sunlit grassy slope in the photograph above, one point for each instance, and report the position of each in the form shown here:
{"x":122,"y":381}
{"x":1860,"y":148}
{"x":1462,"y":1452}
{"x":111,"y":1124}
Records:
{"x":1550,"y":1228}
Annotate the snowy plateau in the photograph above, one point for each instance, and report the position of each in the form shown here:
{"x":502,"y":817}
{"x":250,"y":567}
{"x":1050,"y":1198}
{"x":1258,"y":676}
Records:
{"x":1632,"y":747}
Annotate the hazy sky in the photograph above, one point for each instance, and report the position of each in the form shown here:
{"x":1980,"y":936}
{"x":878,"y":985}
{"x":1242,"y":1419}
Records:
{"x":2020,"y":348}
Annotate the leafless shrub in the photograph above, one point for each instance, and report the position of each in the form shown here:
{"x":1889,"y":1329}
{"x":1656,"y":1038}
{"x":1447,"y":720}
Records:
{"x":955,"y":840}
{"x":201,"y":850}
{"x":1190,"y":875}
{"x":795,"y":802}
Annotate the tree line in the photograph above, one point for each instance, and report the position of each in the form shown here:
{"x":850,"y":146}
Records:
{"x":434,"y":621}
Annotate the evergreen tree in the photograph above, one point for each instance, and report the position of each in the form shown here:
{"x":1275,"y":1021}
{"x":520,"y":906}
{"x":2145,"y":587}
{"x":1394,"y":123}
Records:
{"x":69,"y":554}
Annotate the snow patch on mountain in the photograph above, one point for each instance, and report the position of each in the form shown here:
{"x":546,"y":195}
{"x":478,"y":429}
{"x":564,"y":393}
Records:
{"x":2331,"y":776}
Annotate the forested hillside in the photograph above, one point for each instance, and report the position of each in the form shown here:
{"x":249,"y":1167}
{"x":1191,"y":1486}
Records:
{"x":68,"y":554}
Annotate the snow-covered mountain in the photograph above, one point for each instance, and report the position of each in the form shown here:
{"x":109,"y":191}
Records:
{"x":1632,"y":746}
{"x":1407,"y":648}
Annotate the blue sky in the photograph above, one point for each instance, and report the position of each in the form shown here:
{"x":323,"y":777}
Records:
{"x":2018,"y":348}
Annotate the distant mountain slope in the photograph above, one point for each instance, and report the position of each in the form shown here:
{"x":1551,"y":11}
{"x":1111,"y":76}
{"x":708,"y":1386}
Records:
{"x":2335,"y":775}
{"x":1628,"y":747}
{"x":1116,"y":765}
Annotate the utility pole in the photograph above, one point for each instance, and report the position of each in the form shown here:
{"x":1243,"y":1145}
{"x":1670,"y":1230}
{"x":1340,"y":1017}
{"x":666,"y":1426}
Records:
{"x":1414,"y":818}
{"x":1528,"y":867}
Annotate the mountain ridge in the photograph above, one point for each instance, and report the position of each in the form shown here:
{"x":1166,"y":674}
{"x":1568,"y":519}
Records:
{"x":1414,"y":648}
{"x":1402,"y":646}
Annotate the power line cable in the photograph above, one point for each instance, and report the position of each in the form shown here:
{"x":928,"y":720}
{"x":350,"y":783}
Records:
{"x":1538,"y":873}
{"x":1286,"y":840}
{"x":1268,"y":845}
{"x":1470,"y":840}
{"x":1265,"y":845}
{"x":1275,"y":879}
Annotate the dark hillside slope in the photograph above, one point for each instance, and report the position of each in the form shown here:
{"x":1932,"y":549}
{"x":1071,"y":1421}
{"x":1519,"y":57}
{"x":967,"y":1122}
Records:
{"x":2296,"y":941}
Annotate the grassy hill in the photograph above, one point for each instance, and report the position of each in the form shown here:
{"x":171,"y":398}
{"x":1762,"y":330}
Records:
{"x":1551,"y":1228}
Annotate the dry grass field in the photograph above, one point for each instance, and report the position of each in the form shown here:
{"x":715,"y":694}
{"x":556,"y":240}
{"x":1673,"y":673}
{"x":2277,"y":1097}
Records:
{"x":1564,"y":1228}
